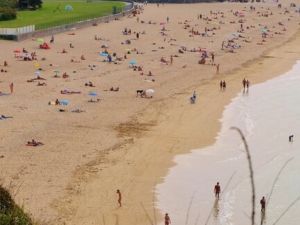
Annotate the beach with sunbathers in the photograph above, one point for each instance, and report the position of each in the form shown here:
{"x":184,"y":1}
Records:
{"x":128,"y":137}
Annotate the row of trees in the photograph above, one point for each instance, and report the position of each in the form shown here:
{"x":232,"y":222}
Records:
{"x":32,"y":4}
{"x":8,"y":8}
{"x":21,"y":4}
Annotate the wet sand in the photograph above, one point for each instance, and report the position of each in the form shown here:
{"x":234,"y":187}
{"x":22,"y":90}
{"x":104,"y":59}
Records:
{"x":124,"y":142}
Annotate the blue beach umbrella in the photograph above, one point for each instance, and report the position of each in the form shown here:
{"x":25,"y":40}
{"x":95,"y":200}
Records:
{"x":264,"y":30}
{"x":64,"y":102}
{"x":69,"y":8}
{"x":104,"y":54}
{"x":93,"y":94}
{"x":132,"y":62}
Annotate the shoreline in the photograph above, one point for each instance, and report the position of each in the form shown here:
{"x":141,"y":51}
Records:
{"x":185,"y":141}
{"x":194,"y":174}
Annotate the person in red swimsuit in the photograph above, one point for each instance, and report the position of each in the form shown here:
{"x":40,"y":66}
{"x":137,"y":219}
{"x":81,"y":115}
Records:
{"x":167,"y":219}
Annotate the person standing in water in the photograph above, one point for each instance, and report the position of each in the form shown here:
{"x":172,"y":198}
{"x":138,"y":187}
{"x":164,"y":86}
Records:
{"x":217,"y":190}
{"x":263,"y":204}
{"x":119,"y":198}
{"x":244,"y":83}
{"x":247,"y":84}
{"x":167,"y":219}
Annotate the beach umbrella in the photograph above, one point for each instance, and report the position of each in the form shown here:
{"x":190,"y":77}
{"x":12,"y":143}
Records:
{"x":213,"y":24}
{"x":40,"y":40}
{"x":235,"y":34}
{"x":149,"y":93}
{"x":132,"y":62}
{"x":232,"y":36}
{"x":264,"y":30}
{"x":56,"y":72}
{"x":104,"y":54}
{"x":93,"y":94}
{"x":37,"y":73}
{"x":64,"y":102}
{"x":36,"y":65}
{"x":69,"y":8}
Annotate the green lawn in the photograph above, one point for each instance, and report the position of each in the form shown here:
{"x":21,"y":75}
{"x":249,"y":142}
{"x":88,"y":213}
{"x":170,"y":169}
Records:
{"x":54,"y":13}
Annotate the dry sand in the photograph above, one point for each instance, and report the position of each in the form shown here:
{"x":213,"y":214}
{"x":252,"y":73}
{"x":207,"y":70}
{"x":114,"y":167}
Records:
{"x":124,"y":142}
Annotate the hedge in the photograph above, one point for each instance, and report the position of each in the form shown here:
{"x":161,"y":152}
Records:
{"x":7,"y":13}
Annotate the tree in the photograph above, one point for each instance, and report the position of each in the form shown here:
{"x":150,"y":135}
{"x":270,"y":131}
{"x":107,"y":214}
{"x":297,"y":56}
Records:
{"x":33,"y":4}
{"x":36,"y":3}
{"x":8,"y":3}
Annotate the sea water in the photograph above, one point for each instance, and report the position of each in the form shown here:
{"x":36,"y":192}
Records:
{"x":267,"y":114}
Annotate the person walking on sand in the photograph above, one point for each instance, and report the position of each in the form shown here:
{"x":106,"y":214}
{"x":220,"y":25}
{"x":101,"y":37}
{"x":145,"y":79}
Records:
{"x":167,"y":219}
{"x":263,"y":204}
{"x":171,"y":59}
{"x":11,"y":87}
{"x":217,"y":190}
{"x":224,"y":85}
{"x":194,"y":95}
{"x":212,"y":58}
{"x":193,"y":98}
{"x":218,"y":68}
{"x":119,"y":198}
{"x":221,"y":85}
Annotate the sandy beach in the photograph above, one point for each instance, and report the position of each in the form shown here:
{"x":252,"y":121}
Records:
{"x":123,"y":141}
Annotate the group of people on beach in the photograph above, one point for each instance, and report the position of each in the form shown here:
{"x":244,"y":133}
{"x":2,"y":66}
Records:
{"x":206,"y":57}
{"x":222,"y":85}
{"x":246,"y":85}
{"x":216,"y":190}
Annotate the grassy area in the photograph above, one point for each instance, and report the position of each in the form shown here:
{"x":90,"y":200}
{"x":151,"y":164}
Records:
{"x":54,"y":13}
{"x":10,"y":213}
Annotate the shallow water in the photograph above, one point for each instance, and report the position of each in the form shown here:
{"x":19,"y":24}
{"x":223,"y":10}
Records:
{"x":267,"y":115}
